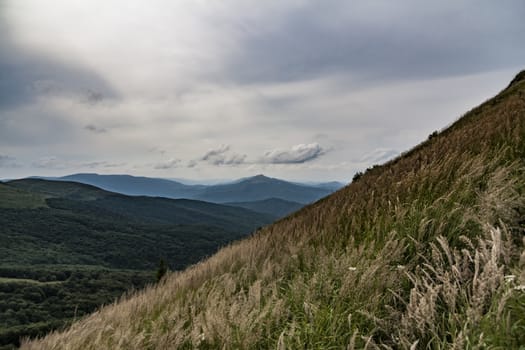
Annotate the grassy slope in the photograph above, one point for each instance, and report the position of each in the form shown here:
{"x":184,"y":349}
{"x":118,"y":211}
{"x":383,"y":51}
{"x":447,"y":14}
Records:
{"x":414,"y":253}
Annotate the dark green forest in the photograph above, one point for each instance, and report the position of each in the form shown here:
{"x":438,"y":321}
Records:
{"x":67,"y":248}
{"x":34,"y":301}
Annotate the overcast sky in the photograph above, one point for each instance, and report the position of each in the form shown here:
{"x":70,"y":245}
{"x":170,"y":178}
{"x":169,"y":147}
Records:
{"x":201,"y":89}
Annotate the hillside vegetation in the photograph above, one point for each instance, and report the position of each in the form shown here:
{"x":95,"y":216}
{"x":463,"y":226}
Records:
{"x":15,"y":198}
{"x":84,"y":225}
{"x":424,"y":252}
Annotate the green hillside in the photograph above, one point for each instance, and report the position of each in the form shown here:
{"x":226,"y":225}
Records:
{"x":424,"y":252}
{"x":90,"y":200}
{"x":67,"y":248}
{"x":15,"y":198}
{"x":54,"y":189}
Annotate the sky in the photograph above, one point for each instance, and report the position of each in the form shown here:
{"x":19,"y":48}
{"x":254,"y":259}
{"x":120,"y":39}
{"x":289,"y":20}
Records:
{"x":201,"y":89}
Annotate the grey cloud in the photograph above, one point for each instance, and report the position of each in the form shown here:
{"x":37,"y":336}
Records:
{"x":170,"y":164}
{"x":213,"y":153}
{"x":27,"y":75}
{"x":36,"y":126}
{"x":92,"y":97}
{"x":380,"y":40}
{"x":102,"y":164}
{"x":51,"y":162}
{"x":8,"y":162}
{"x":233,"y":159}
{"x":95,"y":129}
{"x":301,"y":153}
{"x":222,"y":156}
{"x":32,"y":77}
{"x":157,"y":150}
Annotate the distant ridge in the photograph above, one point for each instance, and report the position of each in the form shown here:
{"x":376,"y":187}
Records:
{"x":137,"y":185}
{"x":248,"y":189}
{"x":273,"y":206}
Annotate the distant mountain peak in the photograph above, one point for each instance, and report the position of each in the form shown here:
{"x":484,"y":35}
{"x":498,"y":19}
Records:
{"x":259,"y":177}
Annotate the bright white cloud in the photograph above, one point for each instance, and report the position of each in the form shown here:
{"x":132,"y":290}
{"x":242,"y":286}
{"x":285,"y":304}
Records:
{"x":222,"y":156}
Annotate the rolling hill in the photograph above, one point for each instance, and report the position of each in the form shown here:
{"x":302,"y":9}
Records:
{"x":157,"y":210}
{"x":422,"y":252}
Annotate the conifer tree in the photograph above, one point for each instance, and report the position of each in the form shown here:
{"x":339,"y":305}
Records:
{"x":162,"y":269}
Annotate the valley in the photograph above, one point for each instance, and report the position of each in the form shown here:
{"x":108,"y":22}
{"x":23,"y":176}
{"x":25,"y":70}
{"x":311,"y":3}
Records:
{"x":67,"y":248}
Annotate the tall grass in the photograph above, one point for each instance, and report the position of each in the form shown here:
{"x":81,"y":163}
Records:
{"x":415,"y":254}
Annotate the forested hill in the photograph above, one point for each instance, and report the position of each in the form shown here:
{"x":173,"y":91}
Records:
{"x":83,"y":198}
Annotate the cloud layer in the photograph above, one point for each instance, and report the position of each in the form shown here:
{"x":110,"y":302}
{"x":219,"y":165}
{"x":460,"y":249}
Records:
{"x":152,"y":89}
{"x":8,"y":162}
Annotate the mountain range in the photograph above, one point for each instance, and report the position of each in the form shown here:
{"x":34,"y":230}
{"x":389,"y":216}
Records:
{"x":249,"y":189}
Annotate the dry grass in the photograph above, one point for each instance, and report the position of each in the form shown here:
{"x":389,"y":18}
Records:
{"x":412,"y":255}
